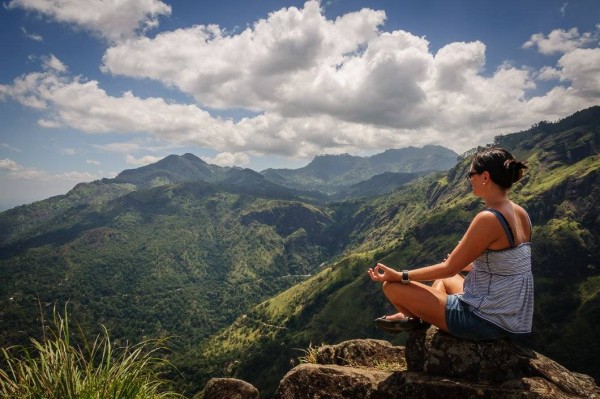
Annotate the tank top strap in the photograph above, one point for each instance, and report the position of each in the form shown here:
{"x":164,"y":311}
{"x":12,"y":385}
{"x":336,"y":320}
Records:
{"x":505,"y":226}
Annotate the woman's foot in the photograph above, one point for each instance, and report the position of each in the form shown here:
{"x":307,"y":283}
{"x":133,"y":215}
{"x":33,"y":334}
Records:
{"x":392,"y":317}
{"x":398,"y":323}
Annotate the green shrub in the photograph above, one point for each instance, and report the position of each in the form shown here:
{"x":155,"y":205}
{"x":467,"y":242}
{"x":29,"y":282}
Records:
{"x":57,"y":368}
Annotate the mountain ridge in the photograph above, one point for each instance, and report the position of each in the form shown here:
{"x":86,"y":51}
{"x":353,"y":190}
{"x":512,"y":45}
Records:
{"x":411,"y":228}
{"x":240,"y":273}
{"x":335,"y":174}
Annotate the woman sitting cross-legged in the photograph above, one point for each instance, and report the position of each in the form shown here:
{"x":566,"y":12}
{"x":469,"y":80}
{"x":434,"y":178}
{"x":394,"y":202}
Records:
{"x":496,"y":298}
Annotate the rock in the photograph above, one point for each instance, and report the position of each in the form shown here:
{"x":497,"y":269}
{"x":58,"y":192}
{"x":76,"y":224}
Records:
{"x":423,"y":386}
{"x":329,"y":382}
{"x":495,"y":362}
{"x":438,"y":366}
{"x":230,"y":388}
{"x":362,"y":353}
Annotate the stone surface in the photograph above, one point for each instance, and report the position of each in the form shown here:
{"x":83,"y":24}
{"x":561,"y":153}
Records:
{"x":309,"y":381}
{"x":495,"y":362}
{"x":439,"y":366}
{"x":362,"y":353}
{"x":230,"y":388}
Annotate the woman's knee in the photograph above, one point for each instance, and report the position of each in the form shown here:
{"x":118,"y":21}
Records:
{"x":389,"y":286}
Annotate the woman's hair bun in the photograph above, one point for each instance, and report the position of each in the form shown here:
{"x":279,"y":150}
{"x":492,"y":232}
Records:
{"x":515,"y":169}
{"x":503,"y":168}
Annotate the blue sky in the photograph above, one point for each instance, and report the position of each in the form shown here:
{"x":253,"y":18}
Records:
{"x":88,"y":89}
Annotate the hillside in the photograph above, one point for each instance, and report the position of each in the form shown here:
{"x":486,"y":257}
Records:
{"x":338,"y":175}
{"x":177,"y":248}
{"x":418,"y":225}
{"x":241,"y":271}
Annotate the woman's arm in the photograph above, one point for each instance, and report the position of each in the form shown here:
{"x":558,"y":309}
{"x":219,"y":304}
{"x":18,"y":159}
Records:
{"x":481,"y":233}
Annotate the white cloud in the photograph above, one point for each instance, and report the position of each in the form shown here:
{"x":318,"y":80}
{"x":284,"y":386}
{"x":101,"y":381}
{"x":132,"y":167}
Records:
{"x":32,"y":36}
{"x":259,"y":68}
{"x":17,"y":171}
{"x":9,"y":147}
{"x":92,"y":162}
{"x":47,"y":123}
{"x":343,"y":86}
{"x":561,"y":41}
{"x":110,"y":19}
{"x":53,"y":63}
{"x":146,"y":160}
{"x":563,"y":9}
{"x":76,"y":176}
{"x":68,"y":151}
{"x":124,"y":147}
{"x":229,"y":159}
{"x":9,"y":164}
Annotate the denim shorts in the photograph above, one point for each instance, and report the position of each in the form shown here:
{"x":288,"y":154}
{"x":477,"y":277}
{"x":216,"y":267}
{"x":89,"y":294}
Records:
{"x":463,"y":323}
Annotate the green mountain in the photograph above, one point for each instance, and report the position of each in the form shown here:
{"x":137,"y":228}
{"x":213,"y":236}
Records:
{"x":241,"y":269}
{"x":336,"y":174}
{"x":417,"y":225}
{"x":176,"y":248}
{"x":173,"y":169}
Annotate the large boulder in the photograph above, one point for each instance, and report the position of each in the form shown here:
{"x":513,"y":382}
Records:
{"x":230,"y":388}
{"x":362,"y":353}
{"x":330,"y":382}
{"x":495,"y":362}
{"x":439,"y":366}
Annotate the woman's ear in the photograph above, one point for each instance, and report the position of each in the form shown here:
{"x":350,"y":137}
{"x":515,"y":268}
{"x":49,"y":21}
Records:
{"x":486,"y":177}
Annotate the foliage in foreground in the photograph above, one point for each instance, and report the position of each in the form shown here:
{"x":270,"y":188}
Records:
{"x":56,"y":368}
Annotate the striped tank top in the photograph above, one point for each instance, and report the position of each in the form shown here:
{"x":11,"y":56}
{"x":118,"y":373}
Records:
{"x":499,"y":289}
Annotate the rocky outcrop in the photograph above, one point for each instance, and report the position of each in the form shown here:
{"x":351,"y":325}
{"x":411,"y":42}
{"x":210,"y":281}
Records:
{"x":497,"y":363}
{"x":362,"y":353}
{"x":437,"y":366}
{"x":230,"y":388}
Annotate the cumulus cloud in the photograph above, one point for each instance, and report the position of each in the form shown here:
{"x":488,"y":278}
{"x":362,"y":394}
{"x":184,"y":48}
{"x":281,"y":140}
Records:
{"x":53,"y":63}
{"x":17,"y":171}
{"x":342,"y":85}
{"x":48,"y":123}
{"x":146,"y":160}
{"x":261,"y":67}
{"x":229,"y":159}
{"x":113,"y":20}
{"x":122,"y":147}
{"x":9,"y":164}
{"x":561,"y":41}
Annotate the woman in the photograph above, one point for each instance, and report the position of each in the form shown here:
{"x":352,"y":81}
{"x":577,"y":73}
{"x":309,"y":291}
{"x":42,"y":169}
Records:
{"x":496,"y":298}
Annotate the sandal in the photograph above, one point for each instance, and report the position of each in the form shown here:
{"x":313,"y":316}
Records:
{"x":400,"y":325}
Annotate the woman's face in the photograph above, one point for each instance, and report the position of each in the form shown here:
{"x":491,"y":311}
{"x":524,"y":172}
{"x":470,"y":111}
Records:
{"x":474,"y":178}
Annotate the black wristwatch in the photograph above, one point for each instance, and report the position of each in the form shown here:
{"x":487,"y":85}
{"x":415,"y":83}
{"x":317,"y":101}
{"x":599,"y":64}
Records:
{"x":405,"y":278}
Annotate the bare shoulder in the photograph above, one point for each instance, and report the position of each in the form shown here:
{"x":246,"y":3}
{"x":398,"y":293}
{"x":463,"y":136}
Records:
{"x":484,"y":218}
{"x":520,"y":212}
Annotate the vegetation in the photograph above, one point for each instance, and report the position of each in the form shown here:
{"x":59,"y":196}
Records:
{"x":240,"y":270}
{"x":56,"y":367}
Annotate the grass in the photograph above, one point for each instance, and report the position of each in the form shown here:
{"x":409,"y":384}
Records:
{"x":55,"y":368}
{"x":310,"y":356}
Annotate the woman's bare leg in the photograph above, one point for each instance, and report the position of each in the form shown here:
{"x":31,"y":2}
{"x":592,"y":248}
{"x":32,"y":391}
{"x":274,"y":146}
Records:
{"x":418,"y":300}
{"x":450,"y":285}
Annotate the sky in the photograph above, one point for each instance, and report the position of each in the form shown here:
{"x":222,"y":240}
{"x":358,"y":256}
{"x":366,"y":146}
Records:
{"x":89,"y":88}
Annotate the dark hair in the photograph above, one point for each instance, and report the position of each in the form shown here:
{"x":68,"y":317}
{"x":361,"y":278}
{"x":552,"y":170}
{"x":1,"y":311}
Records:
{"x":503,"y":168}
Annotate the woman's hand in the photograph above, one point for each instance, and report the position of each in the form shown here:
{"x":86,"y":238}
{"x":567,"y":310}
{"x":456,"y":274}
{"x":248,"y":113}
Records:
{"x":381,"y":273}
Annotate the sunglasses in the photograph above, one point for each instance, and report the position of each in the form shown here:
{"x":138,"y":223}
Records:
{"x":470,"y":174}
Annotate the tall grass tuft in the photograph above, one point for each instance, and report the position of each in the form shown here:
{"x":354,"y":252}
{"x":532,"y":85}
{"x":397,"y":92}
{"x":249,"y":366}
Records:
{"x":55,"y":368}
